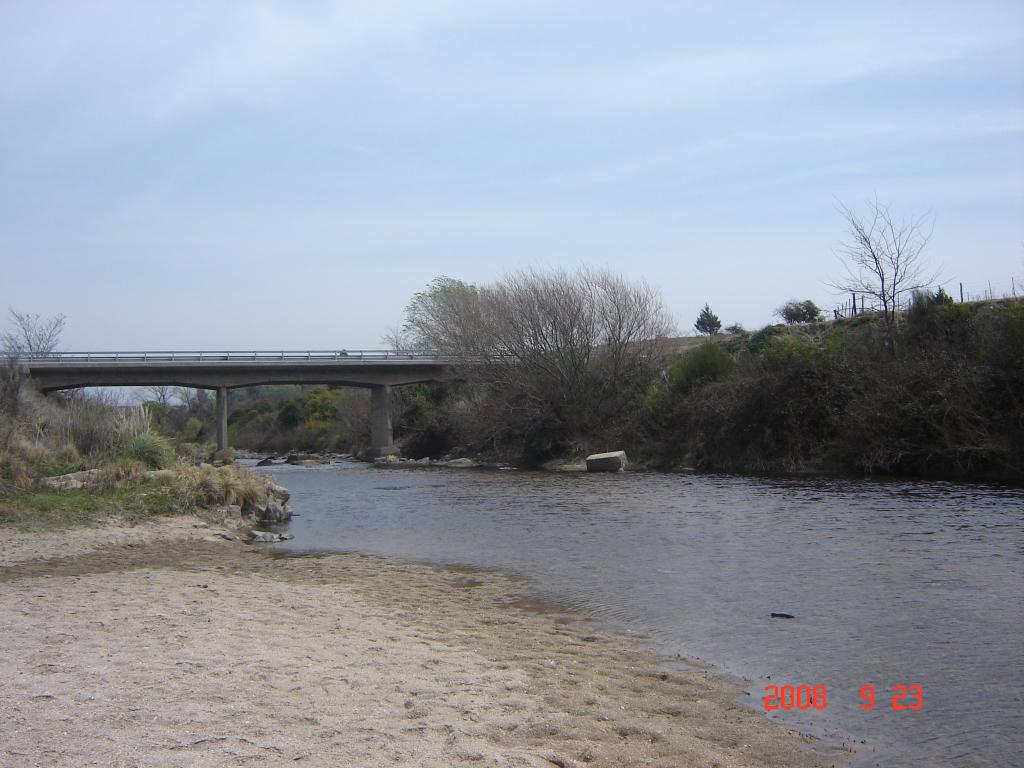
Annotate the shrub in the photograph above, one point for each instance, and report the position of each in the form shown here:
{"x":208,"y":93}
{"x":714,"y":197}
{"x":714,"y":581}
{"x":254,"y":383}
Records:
{"x":799,"y":312}
{"x":205,"y":486}
{"x":149,"y":448}
{"x":709,"y":362}
{"x":788,"y":352}
{"x":14,"y":470}
{"x":762,"y":338}
{"x":121,"y":473}
{"x":193,"y":430}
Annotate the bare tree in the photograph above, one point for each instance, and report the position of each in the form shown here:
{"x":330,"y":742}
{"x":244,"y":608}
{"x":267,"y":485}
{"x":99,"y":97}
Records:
{"x":398,"y":340}
{"x":884,"y":258}
{"x":161,"y":393}
{"x":564,"y":352}
{"x":31,"y":335}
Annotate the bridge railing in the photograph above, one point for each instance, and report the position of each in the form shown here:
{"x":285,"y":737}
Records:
{"x":228,"y":356}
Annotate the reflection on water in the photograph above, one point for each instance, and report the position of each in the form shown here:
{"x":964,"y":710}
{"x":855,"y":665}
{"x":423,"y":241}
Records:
{"x":895,"y":583}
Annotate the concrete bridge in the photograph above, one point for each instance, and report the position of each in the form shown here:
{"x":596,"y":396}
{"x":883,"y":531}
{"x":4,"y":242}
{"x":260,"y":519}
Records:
{"x":377,"y":370}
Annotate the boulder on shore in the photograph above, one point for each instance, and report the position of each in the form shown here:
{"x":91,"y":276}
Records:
{"x":70,"y":482}
{"x":462,"y":463}
{"x":613,"y":461}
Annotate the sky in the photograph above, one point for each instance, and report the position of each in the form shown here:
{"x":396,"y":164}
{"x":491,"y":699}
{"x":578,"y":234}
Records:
{"x":286,"y":175}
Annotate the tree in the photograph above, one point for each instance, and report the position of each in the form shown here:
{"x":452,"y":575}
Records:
{"x":161,"y":394}
{"x":564,"y":354}
{"x":884,"y":259}
{"x":29,"y":336}
{"x":708,"y":322}
{"x":446,"y":316}
{"x":32,"y":336}
{"x":799,"y":312}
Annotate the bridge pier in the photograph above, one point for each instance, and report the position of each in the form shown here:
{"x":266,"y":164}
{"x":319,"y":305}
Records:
{"x":380,"y":417}
{"x":222,"y":417}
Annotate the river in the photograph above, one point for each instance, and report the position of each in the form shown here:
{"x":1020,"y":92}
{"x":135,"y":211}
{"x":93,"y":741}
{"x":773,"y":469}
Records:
{"x":890,"y":583}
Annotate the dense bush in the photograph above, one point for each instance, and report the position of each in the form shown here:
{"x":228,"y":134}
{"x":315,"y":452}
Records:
{"x":951,"y":403}
{"x":555,"y":360}
{"x":148,"y":448}
{"x":793,"y":312}
{"x":279,"y":419}
{"x":709,"y":362}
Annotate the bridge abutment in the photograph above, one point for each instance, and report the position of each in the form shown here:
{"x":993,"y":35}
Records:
{"x":381,"y":437}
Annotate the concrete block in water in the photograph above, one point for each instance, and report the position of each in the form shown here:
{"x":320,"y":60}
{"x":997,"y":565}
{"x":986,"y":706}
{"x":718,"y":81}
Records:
{"x":613,"y":461}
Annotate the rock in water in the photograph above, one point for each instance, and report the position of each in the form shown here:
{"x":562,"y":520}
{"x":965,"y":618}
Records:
{"x":273,"y":512}
{"x":305,"y":459}
{"x":265,"y":462}
{"x":264,"y":537}
{"x":281,"y":492}
{"x":613,"y":461}
{"x":781,"y":615}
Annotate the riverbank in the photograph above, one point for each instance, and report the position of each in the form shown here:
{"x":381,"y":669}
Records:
{"x":153,"y":645}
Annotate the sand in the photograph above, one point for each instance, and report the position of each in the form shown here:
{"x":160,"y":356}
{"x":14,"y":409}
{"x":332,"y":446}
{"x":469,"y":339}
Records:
{"x":153,"y":646}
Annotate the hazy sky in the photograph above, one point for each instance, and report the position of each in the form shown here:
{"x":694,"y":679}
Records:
{"x":285,"y":175}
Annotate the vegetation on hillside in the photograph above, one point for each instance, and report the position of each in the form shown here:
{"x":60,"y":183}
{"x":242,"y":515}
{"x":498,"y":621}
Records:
{"x":558,"y":363}
{"x":832,"y":397}
{"x":807,"y":396}
{"x":554,"y":361}
{"x":125,"y":467}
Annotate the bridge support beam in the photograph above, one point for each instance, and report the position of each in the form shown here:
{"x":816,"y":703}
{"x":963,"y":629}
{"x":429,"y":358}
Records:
{"x":381,"y":438}
{"x":222,"y":417}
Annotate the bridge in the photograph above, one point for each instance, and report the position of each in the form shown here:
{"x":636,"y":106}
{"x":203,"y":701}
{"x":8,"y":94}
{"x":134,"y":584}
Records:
{"x":377,"y":370}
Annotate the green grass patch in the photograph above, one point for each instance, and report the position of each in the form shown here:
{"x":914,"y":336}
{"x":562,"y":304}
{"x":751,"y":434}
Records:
{"x":44,"y":508}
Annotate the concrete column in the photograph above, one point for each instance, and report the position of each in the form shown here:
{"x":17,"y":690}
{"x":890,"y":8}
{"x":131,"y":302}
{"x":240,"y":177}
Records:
{"x":380,"y":417}
{"x":222,"y":417}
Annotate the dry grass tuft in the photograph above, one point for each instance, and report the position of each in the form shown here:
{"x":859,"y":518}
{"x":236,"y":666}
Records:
{"x":206,"y":486}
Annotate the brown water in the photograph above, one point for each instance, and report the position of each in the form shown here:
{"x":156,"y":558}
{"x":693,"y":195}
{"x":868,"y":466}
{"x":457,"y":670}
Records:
{"x":891,"y":583}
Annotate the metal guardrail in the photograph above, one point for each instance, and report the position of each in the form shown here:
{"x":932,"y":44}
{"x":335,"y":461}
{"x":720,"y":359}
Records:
{"x":230,"y":356}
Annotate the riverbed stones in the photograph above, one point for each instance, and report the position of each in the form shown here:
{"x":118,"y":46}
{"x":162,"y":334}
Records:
{"x":304,"y":459}
{"x":613,"y":461}
{"x":273,"y":512}
{"x":268,"y":537}
{"x":462,"y":463}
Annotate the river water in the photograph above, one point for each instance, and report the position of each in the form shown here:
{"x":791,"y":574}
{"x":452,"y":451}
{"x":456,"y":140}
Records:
{"x":890,"y":583}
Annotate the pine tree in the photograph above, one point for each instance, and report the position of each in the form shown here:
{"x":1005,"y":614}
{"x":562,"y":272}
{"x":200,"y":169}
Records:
{"x":708,"y":322}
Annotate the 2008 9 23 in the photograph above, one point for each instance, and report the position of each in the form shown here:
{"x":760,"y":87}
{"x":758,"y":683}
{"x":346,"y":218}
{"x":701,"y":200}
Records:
{"x":803,"y":697}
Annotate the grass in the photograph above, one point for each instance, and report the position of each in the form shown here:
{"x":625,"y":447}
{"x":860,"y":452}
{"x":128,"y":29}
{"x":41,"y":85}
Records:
{"x":121,"y":493}
{"x":43,"y":508}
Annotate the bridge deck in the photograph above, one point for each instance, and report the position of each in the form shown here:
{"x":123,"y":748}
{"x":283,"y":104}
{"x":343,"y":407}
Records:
{"x":226,"y":356}
{"x":214,"y":370}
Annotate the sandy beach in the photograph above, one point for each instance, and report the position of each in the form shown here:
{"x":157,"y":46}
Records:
{"x":156,"y":646}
